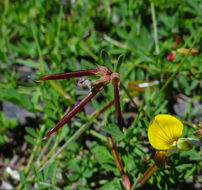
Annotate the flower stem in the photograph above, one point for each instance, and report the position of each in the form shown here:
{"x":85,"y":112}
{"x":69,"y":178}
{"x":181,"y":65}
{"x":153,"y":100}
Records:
{"x":125,"y":179}
{"x":117,"y":103}
{"x":146,"y":175}
{"x":111,"y":144}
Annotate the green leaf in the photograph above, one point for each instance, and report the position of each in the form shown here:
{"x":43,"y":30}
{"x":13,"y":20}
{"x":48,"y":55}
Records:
{"x":102,"y":154}
{"x":27,"y":62}
{"x":190,"y":172}
{"x":95,"y":104}
{"x":22,"y":177}
{"x":53,"y":172}
{"x":3,"y":56}
{"x":33,"y":169}
{"x":113,"y":130}
{"x":31,"y":131}
{"x":193,"y":85}
{"x":83,"y":188}
{"x":119,"y":62}
{"x":44,"y":174}
{"x":74,"y":177}
{"x":106,"y":60}
{"x":12,"y":95}
{"x":142,"y":43}
{"x":112,"y":185}
{"x":74,"y":166}
{"x":64,"y":132}
{"x":30,"y":139}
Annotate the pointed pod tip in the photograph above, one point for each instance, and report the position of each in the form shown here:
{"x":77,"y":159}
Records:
{"x":45,"y":138}
{"x":41,"y":79}
{"x":138,"y":186}
{"x":126,"y":182}
{"x":34,"y":80}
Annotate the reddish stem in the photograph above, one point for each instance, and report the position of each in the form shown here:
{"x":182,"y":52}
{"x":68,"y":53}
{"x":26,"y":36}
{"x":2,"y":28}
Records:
{"x":117,"y":103}
{"x":70,"y":74}
{"x":146,"y":175}
{"x":106,"y":107}
{"x":74,"y":110}
{"x":114,"y":153}
{"x":125,"y":179}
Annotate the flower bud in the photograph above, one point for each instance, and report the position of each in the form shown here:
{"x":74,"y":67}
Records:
{"x":184,"y":144}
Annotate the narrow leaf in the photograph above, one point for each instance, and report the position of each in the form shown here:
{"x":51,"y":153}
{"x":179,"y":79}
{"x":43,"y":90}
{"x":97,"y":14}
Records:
{"x":119,"y":62}
{"x":31,"y":131}
{"x":29,"y":139}
{"x":106,"y":60}
{"x":33,"y":169}
{"x":53,"y":172}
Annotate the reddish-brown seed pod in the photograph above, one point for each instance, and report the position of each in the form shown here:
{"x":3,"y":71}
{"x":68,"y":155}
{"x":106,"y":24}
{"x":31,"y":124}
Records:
{"x":70,"y":74}
{"x":74,"y":110}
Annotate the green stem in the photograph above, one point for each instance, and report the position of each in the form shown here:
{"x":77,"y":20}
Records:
{"x":58,"y":28}
{"x":43,"y":150}
{"x":155,"y":27}
{"x":98,"y":135}
{"x":129,"y":96}
{"x":116,"y":43}
{"x":41,"y":61}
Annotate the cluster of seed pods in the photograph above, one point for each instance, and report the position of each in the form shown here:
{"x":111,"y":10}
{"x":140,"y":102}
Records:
{"x":94,"y":87}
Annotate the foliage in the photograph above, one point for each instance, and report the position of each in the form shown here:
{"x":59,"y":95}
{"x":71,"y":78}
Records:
{"x":45,"y":37}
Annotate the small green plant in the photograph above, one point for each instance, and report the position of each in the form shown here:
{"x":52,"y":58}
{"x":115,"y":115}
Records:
{"x":6,"y":124}
{"x":160,"y":74}
{"x":95,"y":86}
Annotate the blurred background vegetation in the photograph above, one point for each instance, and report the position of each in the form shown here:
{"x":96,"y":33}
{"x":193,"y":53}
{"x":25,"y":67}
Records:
{"x":39,"y":37}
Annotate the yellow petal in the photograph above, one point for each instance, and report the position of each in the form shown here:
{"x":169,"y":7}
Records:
{"x":163,"y":131}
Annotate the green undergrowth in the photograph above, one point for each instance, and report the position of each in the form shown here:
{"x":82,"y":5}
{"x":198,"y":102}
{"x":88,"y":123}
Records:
{"x":46,"y":37}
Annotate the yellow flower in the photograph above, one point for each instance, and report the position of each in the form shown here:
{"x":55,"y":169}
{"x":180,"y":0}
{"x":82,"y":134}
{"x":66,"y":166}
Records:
{"x":164,"y":131}
{"x":164,"y":134}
